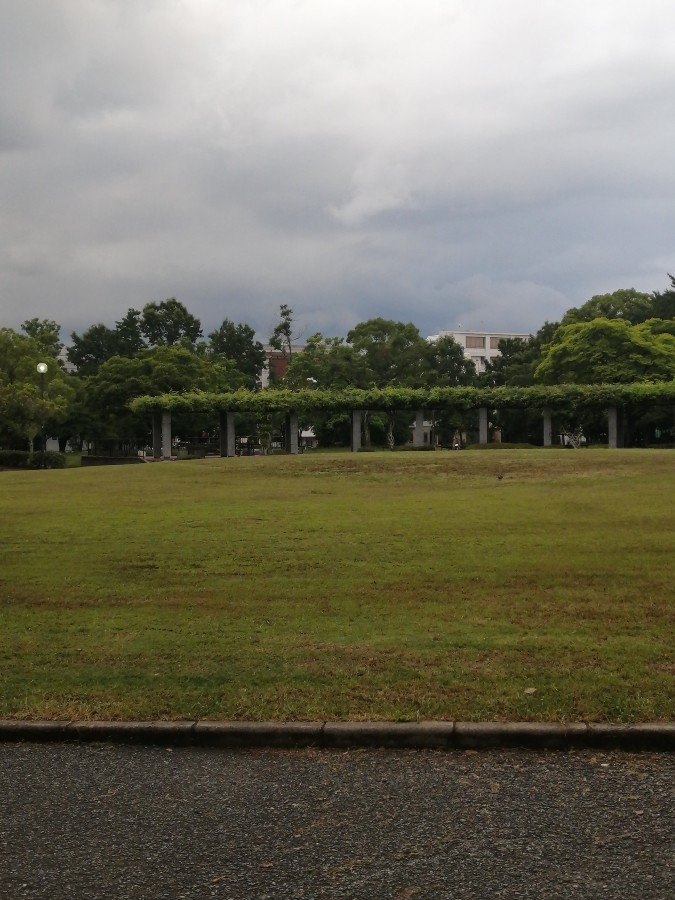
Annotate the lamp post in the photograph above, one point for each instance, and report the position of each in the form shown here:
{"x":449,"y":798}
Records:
{"x":42,"y":369}
{"x":313,"y":382}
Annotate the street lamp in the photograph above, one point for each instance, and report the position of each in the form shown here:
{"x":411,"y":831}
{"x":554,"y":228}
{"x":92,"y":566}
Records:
{"x":42,"y":370}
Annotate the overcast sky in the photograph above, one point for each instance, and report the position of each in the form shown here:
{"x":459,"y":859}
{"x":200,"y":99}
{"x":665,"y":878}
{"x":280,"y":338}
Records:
{"x":488,"y":163}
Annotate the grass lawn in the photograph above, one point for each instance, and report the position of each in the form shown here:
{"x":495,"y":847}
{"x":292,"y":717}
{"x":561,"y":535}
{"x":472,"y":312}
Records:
{"x":337,"y":586}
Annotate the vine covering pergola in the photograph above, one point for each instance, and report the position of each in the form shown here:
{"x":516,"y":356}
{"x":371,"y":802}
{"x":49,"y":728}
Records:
{"x":613,"y":399}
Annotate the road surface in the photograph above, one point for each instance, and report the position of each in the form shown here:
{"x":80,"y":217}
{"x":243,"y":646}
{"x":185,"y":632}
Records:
{"x":114,"y":822}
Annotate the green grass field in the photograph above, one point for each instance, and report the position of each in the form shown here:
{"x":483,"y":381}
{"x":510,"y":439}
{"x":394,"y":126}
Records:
{"x":397,"y":586}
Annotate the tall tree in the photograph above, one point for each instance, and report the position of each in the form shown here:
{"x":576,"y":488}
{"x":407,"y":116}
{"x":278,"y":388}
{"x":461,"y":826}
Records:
{"x":89,"y":350}
{"x":518,"y":358}
{"x":282,"y":336}
{"x":129,"y":334}
{"x":395,"y":352}
{"x":447,"y":366}
{"x":99,"y":343}
{"x":169,"y":323}
{"x":664,"y":303}
{"x":23,"y":406}
{"x":238,"y":343}
{"x":45,"y":332}
{"x":328,"y":363}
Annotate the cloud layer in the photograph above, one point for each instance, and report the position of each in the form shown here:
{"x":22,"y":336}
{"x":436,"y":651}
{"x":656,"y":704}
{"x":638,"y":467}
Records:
{"x":481,"y":162}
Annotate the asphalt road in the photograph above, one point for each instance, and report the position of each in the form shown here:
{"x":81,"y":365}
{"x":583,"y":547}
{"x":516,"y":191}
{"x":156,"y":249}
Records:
{"x":96,"y":821}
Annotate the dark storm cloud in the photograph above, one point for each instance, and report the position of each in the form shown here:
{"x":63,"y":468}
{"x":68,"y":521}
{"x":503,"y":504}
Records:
{"x":474,"y":162}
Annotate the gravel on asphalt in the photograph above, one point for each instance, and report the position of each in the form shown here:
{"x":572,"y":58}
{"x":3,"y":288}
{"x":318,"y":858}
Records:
{"x":113,"y":821}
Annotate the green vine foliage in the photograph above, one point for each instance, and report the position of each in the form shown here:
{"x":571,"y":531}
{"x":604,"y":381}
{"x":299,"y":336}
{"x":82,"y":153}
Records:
{"x":553,"y":397}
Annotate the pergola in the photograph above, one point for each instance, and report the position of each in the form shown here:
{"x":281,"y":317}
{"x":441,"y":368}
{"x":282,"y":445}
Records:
{"x":613,"y":399}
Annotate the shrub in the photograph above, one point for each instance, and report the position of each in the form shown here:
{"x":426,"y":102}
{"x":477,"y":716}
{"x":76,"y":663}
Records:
{"x":22,"y":459}
{"x":47,"y":460}
{"x":14,"y":459}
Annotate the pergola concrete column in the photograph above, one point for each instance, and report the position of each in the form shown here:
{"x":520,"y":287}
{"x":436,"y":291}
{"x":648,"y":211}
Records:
{"x":614,"y":428}
{"x":418,"y":433}
{"x":292,"y":432}
{"x":227,"y":434}
{"x":548,"y":427}
{"x":166,"y":434}
{"x":357,"y":420}
{"x":482,"y":425}
{"x":157,"y":434}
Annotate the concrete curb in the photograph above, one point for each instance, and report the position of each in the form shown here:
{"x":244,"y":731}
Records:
{"x":346,"y":735}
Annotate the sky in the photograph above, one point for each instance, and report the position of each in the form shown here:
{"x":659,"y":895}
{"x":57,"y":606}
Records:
{"x":461,"y":164}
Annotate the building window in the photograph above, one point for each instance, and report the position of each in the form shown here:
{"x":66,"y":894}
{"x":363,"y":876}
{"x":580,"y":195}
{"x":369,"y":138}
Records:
{"x":494,"y":343}
{"x":473,"y":342}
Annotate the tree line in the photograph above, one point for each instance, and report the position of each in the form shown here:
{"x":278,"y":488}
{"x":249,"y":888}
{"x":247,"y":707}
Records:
{"x":623,"y":337}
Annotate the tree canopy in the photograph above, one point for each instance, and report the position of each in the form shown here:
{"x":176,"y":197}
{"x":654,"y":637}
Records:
{"x":607,"y":351}
{"x":282,"y":336}
{"x":628,"y":304}
{"x":328,"y":362}
{"x":395,"y":352}
{"x":238,"y":343}
{"x":45,"y":332}
{"x":169,"y":323}
{"x":23,"y":408}
{"x":626,"y":337}
{"x":98,"y":343}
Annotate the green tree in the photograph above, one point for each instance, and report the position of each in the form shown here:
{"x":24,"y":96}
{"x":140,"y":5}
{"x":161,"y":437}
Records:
{"x":282,"y":337}
{"x":628,"y":304}
{"x":328,"y":362}
{"x":23,"y":409}
{"x":515,"y":366}
{"x":664,"y":303}
{"x":446,"y":364}
{"x":19,"y":356}
{"x":657,"y":326}
{"x":518,"y":358}
{"x":395,"y":352}
{"x":157,"y":370}
{"x":378,"y":353}
{"x":607,"y":351}
{"x":45,"y":332}
{"x":169,"y":323}
{"x":88,"y":351}
{"x":238,"y":343}
{"x":98,"y":343}
{"x":129,"y":335}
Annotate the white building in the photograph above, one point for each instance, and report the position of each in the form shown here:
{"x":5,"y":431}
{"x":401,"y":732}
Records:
{"x":478,"y":346}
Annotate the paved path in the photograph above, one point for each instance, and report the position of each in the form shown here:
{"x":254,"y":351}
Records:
{"x":115,"y":822}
